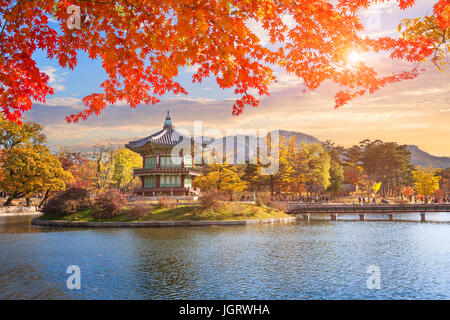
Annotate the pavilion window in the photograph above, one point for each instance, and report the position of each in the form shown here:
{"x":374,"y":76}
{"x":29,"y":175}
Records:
{"x":170,"y":181}
{"x":150,"y":182}
{"x":170,"y":161}
{"x":150,"y":162}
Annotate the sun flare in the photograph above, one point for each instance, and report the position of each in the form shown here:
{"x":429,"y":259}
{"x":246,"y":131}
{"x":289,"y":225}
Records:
{"x":354,"y":57}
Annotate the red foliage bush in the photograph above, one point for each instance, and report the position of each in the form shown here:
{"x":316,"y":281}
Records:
{"x":263,"y":200}
{"x":211,"y":199}
{"x":109,"y":204}
{"x":68,"y":202}
{"x":166,"y":202}
{"x":139,"y":210}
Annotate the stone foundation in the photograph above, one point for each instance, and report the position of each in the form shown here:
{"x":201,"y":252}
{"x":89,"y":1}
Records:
{"x":154,"y":223}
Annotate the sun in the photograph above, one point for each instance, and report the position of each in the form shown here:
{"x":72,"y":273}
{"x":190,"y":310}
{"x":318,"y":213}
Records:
{"x":354,"y":57}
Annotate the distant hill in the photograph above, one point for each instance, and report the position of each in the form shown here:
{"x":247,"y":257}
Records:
{"x":300,"y":136}
{"x":418,"y":156}
{"x":424,"y":159}
{"x":242,"y":143}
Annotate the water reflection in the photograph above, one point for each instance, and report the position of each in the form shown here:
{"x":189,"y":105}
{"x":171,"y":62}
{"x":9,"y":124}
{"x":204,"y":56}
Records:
{"x":315,"y":260}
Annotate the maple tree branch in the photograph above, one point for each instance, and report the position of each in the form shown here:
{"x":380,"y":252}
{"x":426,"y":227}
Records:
{"x":6,"y":13}
{"x":3,"y":30}
{"x":126,"y":37}
{"x":98,"y":2}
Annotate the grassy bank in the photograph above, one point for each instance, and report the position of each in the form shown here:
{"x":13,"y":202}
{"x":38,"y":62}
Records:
{"x":225,"y":211}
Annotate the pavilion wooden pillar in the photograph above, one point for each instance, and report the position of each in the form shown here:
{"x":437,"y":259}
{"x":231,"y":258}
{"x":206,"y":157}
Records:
{"x":333,"y":216}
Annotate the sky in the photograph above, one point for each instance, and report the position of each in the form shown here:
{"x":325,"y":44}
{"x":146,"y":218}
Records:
{"x":410,"y":112}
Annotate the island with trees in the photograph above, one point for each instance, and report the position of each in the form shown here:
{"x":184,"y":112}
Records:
{"x":101,"y":185}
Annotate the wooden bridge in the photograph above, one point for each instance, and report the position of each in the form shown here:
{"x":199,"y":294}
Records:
{"x":306,"y":210}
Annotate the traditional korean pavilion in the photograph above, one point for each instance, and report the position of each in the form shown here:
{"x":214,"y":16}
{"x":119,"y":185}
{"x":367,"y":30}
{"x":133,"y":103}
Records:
{"x":163,"y":173}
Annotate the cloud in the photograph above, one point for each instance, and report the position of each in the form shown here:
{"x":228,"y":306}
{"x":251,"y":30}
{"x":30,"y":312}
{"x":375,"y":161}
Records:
{"x":410,"y":112}
{"x":55,"y":80}
{"x":64,"y":102}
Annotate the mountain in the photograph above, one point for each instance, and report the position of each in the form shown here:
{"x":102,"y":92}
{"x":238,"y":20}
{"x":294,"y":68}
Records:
{"x":300,"y":136}
{"x":424,"y":159}
{"x":418,"y":156}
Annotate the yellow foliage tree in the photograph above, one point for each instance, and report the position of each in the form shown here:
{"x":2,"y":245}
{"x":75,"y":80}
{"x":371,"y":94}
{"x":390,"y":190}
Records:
{"x":221,"y":177}
{"x":427,"y":180}
{"x":125,"y":161}
{"x":30,"y":169}
{"x":315,"y":163}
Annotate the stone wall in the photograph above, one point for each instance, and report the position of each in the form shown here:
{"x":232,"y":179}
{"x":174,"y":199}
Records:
{"x":18,"y":210}
{"x":154,"y":223}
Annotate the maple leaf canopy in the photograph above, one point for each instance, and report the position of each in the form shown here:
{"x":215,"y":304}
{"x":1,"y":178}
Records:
{"x":144,"y":44}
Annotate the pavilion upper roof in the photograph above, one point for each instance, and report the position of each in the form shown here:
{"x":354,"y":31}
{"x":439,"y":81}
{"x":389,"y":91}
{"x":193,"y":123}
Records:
{"x":167,"y":137}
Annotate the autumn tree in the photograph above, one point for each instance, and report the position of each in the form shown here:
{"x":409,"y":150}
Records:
{"x":221,"y":177}
{"x":143,"y":45}
{"x":11,"y":134}
{"x":80,"y":166}
{"x":434,"y":27}
{"x":125,"y":161}
{"x":408,"y":191}
{"x":30,"y":169}
{"x":103,"y":159}
{"x":284,"y":176}
{"x":318,"y":166}
{"x":352,"y":175}
{"x":427,"y":181}
{"x":444,"y":183}
{"x":300,"y":166}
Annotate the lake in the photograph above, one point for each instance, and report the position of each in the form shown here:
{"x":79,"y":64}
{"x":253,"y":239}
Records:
{"x":316,"y":260}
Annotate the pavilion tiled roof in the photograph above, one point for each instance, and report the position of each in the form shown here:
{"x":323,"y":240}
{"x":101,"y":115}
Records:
{"x":168,"y":136}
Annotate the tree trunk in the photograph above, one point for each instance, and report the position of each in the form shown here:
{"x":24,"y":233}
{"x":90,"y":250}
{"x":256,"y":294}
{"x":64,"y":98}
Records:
{"x":28,"y":201}
{"x":8,"y":201}
{"x":44,"y":199}
{"x":272,"y":187}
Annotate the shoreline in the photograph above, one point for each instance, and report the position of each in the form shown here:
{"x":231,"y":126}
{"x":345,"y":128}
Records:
{"x":156,"y":223}
{"x":20,"y":214}
{"x":12,"y":211}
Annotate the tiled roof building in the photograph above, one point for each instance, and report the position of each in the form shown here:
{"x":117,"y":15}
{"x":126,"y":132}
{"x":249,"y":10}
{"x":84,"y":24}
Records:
{"x":162,"y":172}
